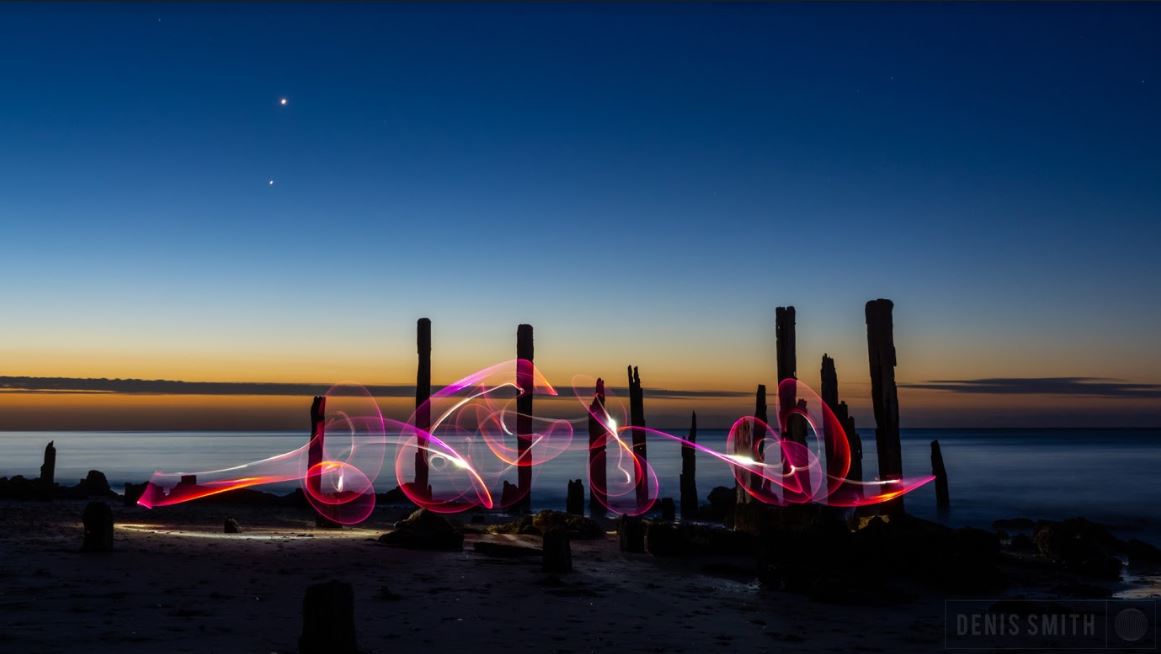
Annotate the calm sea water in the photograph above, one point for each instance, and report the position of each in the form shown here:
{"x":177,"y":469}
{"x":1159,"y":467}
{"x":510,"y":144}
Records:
{"x":1107,"y":475}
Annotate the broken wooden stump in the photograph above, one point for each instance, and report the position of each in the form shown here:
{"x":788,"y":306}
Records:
{"x":328,"y":619}
{"x":314,"y":457}
{"x":525,"y":381}
{"x":689,"y":502}
{"x":830,"y":397}
{"x":48,"y":468}
{"x":133,"y":492}
{"x":575,"y":502}
{"x":557,"y":552}
{"x":98,"y":522}
{"x":743,"y":447}
{"x":598,"y":444}
{"x":884,"y":394}
{"x":942,"y":501}
{"x":631,"y":534}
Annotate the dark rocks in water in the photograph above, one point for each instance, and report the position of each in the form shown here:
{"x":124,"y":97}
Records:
{"x":328,"y":619}
{"x":668,"y":509}
{"x":557,"y":548}
{"x":721,"y":504}
{"x":631,"y":534}
{"x":942,"y":500}
{"x":133,"y":492}
{"x":95,"y":484}
{"x":575,"y":504}
{"x":48,"y":468}
{"x":688,"y":479}
{"x":526,"y":383}
{"x":425,"y":530}
{"x":1079,"y":546}
{"x":98,"y":521}
{"x":231,"y":526}
{"x":576,"y":526}
{"x":823,"y":558}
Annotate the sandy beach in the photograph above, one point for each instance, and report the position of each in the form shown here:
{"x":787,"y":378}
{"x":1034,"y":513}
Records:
{"x":175,"y":582}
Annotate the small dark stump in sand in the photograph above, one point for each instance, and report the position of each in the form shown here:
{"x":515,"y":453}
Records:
{"x":668,"y":509}
{"x":231,"y":527}
{"x":98,"y":519}
{"x":425,"y":530}
{"x":664,"y":539}
{"x":631,"y":534}
{"x":576,"y":497}
{"x":328,"y":619}
{"x":557,"y":552}
{"x":94,"y":484}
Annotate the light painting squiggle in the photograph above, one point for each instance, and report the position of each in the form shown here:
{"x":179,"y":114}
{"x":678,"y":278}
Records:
{"x":476,"y":413}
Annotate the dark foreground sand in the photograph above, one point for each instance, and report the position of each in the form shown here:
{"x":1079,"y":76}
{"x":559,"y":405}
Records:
{"x":176,"y":583}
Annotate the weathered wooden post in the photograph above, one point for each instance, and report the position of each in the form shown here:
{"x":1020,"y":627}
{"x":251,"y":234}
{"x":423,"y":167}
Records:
{"x":598,"y":443}
{"x":743,"y":446}
{"x":556,"y":549}
{"x":637,"y":426}
{"x":842,"y":413}
{"x":48,"y":468}
{"x":575,"y":500}
{"x":314,"y":456}
{"x":328,"y":619}
{"x":526,"y":382}
{"x":792,"y":426}
{"x":98,"y":521}
{"x":422,"y":487}
{"x":884,"y":395}
{"x":689,"y":504}
{"x":942,"y":500}
{"x":759,"y":435}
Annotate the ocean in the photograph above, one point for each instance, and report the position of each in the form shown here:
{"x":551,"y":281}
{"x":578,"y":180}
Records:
{"x":1108,"y":475}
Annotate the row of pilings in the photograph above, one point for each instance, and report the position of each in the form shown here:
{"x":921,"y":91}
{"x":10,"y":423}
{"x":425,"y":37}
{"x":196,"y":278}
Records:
{"x":884,"y":402}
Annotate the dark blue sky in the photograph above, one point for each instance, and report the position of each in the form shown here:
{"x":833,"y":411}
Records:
{"x":993,"y":168}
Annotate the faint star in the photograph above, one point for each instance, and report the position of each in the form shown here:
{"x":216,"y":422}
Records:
{"x":283,"y":101}
{"x":270,"y":182}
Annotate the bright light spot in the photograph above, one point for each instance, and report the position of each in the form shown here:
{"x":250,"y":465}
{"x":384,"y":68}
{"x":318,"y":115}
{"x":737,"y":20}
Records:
{"x":612,"y":425}
{"x":283,"y":101}
{"x":270,"y":182}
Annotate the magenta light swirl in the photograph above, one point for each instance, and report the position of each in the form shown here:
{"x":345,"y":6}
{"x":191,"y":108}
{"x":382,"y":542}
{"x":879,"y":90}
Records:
{"x":472,"y":453}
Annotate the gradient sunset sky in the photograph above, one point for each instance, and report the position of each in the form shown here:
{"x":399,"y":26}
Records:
{"x":642,"y":183}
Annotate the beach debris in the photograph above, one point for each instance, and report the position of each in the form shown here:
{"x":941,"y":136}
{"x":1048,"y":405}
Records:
{"x":328,"y":619}
{"x":884,"y":395}
{"x":688,"y":478}
{"x":598,"y":443}
{"x":48,"y":468}
{"x":557,"y":552}
{"x":631,"y":533}
{"x":578,"y":527}
{"x":942,"y":502}
{"x":526,"y":382}
{"x":425,"y":530}
{"x":575,"y":502}
{"x":1079,"y":546}
{"x":133,"y":492}
{"x":231,"y":526}
{"x":422,"y":417}
{"x":98,"y":523}
{"x":842,"y":413}
{"x":668,"y":509}
{"x":637,"y":424}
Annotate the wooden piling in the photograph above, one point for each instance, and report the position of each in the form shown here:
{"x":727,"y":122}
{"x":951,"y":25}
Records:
{"x":689,"y":502}
{"x":422,"y":487}
{"x":793,"y":427}
{"x":884,"y":395}
{"x":314,"y":456}
{"x":575,"y":500}
{"x":637,"y":427}
{"x":942,"y":500}
{"x":841,"y":411}
{"x":526,"y":382}
{"x":598,"y":444}
{"x":48,"y":468}
{"x":98,"y":523}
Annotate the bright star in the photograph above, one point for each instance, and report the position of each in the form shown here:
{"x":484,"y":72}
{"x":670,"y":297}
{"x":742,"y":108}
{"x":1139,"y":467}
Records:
{"x":282,"y":101}
{"x":270,"y":182}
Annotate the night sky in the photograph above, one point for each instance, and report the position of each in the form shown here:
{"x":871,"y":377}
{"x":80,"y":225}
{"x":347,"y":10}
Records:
{"x":643,"y":183}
